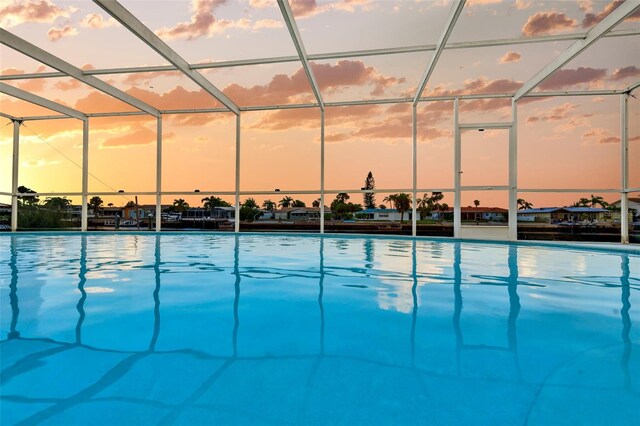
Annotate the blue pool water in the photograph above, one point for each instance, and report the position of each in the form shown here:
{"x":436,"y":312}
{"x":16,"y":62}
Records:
{"x":274,"y":329}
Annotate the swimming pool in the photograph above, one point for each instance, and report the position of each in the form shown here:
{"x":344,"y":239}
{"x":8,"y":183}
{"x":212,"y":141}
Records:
{"x":278,"y":329}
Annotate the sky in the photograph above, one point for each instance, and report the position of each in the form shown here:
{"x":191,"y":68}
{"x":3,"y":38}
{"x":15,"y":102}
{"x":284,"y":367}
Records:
{"x":563,"y":142}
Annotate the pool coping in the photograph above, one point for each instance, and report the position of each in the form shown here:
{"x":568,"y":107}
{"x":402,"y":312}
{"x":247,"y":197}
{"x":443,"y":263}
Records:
{"x":591,"y":246}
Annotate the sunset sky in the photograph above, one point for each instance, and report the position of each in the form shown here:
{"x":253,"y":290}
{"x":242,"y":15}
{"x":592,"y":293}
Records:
{"x":563,"y":142}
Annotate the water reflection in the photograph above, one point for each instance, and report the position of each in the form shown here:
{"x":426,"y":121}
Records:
{"x":327,"y":357}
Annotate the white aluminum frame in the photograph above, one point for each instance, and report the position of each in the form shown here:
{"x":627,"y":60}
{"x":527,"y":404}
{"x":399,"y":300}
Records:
{"x":135,"y":26}
{"x":512,"y":186}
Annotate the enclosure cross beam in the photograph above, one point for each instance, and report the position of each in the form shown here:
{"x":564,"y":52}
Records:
{"x":40,"y":101}
{"x":133,"y":24}
{"x":593,"y":35}
{"x":456,"y":10}
{"x":40,"y":55}
{"x":289,"y":19}
{"x":632,"y":87}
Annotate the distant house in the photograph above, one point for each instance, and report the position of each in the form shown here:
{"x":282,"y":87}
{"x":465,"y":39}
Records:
{"x":5,"y":208}
{"x":218,"y":213}
{"x":634,"y":208}
{"x":299,"y":213}
{"x":562,"y":214}
{"x":382,"y":214}
{"x":494,"y":214}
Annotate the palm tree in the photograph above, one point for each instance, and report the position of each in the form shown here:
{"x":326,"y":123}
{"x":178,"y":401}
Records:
{"x":94,"y":204}
{"x":476,"y":203}
{"x":524,"y":205}
{"x":213,"y":202}
{"x":130,"y":204}
{"x":316,"y":203}
{"x":597,"y":200}
{"x":269,"y":205}
{"x":250,"y":203}
{"x":582,"y":202}
{"x":425,"y":205}
{"x":285,"y":202}
{"x":298,"y":203}
{"x":388,"y":199}
{"x":402,"y":203}
{"x":180,"y":205}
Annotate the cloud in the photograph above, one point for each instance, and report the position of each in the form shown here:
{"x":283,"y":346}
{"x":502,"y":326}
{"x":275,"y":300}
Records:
{"x":569,"y":77}
{"x":15,"y":12}
{"x":479,"y":86}
{"x":68,"y":84}
{"x":351,"y":73}
{"x":546,"y":23}
{"x":203,"y":22}
{"x":39,"y":163}
{"x":97,"y":22}
{"x":135,"y":79}
{"x":602,"y":135}
{"x":56,"y":33}
{"x":33,"y":85}
{"x":307,"y":8}
{"x":510,"y":57}
{"x":625,"y":72}
{"x":556,"y":114}
{"x":142,"y":136}
{"x":591,"y":19}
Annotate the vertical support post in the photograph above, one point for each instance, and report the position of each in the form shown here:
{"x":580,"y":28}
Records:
{"x":14,"y":175}
{"x":237,"y":218}
{"x":624,"y":168}
{"x":159,"y":174}
{"x":513,"y":174}
{"x":84,"y":220}
{"x":457,"y":165}
{"x":322,"y":171}
{"x":414,"y":155}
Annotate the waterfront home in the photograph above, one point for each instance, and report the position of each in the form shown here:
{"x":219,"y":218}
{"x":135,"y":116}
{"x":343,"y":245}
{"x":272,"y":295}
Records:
{"x":382,"y":214}
{"x":563,"y":214}
{"x":299,"y":213}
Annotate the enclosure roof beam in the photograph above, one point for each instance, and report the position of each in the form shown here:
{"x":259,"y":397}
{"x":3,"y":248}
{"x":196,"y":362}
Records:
{"x":633,"y":87}
{"x":10,"y":117}
{"x":133,"y":24}
{"x":290,"y":20}
{"x":333,"y":55}
{"x":593,"y":35}
{"x":37,"y":100}
{"x":26,"y":48}
{"x":456,"y":10}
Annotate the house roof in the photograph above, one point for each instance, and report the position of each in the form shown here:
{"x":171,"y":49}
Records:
{"x":563,"y":209}
{"x":470,"y":209}
{"x":308,"y":209}
{"x":379,"y":211}
{"x":632,"y":199}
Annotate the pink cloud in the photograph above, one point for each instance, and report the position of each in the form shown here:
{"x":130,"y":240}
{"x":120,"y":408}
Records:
{"x":569,"y":77}
{"x":510,"y":57}
{"x":204,"y":23}
{"x":546,"y":23}
{"x":43,"y":11}
{"x":625,"y":72}
{"x":97,"y":22}
{"x":591,"y":19}
{"x":141,"y":136}
{"x":56,"y":33}
{"x":556,"y":114}
{"x":201,"y":24}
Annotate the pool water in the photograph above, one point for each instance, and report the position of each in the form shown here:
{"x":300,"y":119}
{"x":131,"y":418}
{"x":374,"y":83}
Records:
{"x":108,"y":329}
